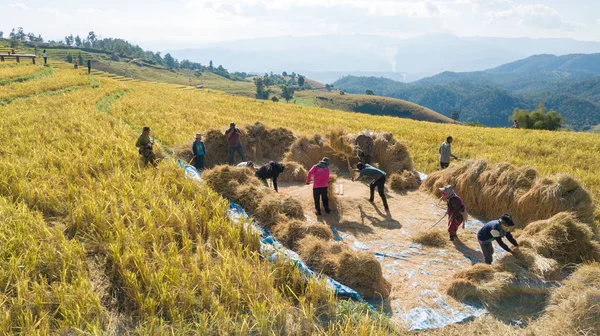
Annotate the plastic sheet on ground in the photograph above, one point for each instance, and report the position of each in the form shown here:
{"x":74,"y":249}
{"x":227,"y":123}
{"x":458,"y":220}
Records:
{"x":270,"y":248}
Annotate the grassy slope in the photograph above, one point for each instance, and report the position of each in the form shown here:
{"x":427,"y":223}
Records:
{"x":374,"y":105}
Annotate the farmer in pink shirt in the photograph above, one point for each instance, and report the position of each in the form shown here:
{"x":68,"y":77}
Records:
{"x":320,"y":175}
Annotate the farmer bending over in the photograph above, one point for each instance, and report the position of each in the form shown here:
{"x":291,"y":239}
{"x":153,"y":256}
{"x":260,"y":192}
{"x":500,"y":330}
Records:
{"x":233,"y":135}
{"x":270,"y":170}
{"x":446,"y":153}
{"x":456,"y":211}
{"x":378,"y":176}
{"x":144,"y":145}
{"x":320,"y":175}
{"x":495,"y":230}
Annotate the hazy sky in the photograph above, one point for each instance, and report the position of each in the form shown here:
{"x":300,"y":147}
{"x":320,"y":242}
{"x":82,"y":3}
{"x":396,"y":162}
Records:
{"x":185,"y":23}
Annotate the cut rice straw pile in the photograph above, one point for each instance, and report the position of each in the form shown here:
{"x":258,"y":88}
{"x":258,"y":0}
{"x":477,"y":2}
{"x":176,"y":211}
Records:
{"x":489,"y":191}
{"x":431,"y":238}
{"x":407,"y":180}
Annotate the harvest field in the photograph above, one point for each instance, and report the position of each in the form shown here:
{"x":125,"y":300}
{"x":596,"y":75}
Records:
{"x":109,"y":247}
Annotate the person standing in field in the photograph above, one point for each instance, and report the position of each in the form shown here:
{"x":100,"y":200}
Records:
{"x":233,"y":135}
{"x":378,"y":176}
{"x":456,"y":211}
{"x":320,"y":175}
{"x":364,"y":147}
{"x":144,"y":145}
{"x":496,"y":230}
{"x":270,"y":171}
{"x":446,"y":153}
{"x":45,"y":56}
{"x":89,"y":66}
{"x":198,"y":150}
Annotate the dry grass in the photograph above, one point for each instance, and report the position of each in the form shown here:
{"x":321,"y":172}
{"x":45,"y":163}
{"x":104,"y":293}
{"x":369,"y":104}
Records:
{"x":291,"y":232}
{"x":406,"y":180}
{"x":431,"y":238}
{"x":294,"y":172}
{"x":490,"y":191}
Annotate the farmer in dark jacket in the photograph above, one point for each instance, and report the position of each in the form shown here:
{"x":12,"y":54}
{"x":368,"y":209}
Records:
{"x":378,"y":181}
{"x":270,"y":171}
{"x":496,"y":230}
{"x":198,"y":150}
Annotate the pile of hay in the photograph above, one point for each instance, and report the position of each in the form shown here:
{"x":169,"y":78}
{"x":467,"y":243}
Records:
{"x":309,"y":151}
{"x":291,"y":232}
{"x":407,"y":180}
{"x":574,"y":308}
{"x":390,"y":155}
{"x":358,"y":270}
{"x":431,"y":238}
{"x":489,"y":191}
{"x":313,"y":241}
{"x":260,"y":144}
{"x":183,"y":152}
{"x":294,"y":172}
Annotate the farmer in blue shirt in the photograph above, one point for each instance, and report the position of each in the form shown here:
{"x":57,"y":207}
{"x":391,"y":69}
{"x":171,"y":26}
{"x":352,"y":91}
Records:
{"x":496,"y":230}
{"x":378,"y":181}
{"x":198,"y":150}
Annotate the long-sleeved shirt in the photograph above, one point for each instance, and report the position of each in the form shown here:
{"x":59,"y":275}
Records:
{"x":234,"y":137}
{"x":445,"y":152}
{"x":320,"y":175}
{"x":493,"y":231}
{"x":198,"y":148}
{"x":372,"y":172}
{"x":143,"y":141}
{"x":270,"y":170}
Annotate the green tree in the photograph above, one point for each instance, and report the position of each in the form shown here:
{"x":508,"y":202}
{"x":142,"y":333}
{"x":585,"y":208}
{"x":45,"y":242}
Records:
{"x":455,"y":115}
{"x":261,"y":91}
{"x":170,"y":61}
{"x":1,"y":34}
{"x":369,"y":93}
{"x":538,"y":118}
{"x":80,"y":58}
{"x":69,"y":58}
{"x":78,"y":41}
{"x":69,"y":40}
{"x":210,"y":65}
{"x":284,"y":74}
{"x":287,"y":93}
{"x":92,"y":38}
{"x":275,"y":99}
{"x":301,"y":81}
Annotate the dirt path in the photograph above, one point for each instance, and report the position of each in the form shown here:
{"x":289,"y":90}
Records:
{"x":416,"y":272}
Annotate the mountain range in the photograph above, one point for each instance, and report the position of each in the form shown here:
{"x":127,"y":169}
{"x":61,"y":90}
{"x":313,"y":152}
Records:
{"x":326,"y":58}
{"x":570,"y":84}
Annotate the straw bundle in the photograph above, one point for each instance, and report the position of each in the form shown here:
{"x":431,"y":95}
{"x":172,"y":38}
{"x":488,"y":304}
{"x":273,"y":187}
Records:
{"x":226,"y":180}
{"x":308,"y":151}
{"x":489,"y":191}
{"x":390,"y":155}
{"x":430,"y":238}
{"x":574,"y":307}
{"x":294,"y":172}
{"x":249,"y":195}
{"x":292,"y":208}
{"x":262,"y":143}
{"x":183,"y":152}
{"x":217,"y":148}
{"x":269,"y":210}
{"x":405,"y":181}
{"x":291,"y":232}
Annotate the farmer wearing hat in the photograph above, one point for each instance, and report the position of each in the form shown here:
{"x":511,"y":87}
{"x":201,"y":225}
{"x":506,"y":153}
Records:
{"x":456,"y":210}
{"x":198,"y":150}
{"x":378,"y":176}
{"x":320,"y":175}
{"x":446,"y":153}
{"x":496,"y":230}
{"x":233,"y":135}
{"x":144,"y":145}
{"x":270,"y":171}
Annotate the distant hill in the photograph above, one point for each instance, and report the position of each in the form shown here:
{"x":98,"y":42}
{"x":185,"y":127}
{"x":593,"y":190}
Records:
{"x":369,"y":104}
{"x":569,"y":84}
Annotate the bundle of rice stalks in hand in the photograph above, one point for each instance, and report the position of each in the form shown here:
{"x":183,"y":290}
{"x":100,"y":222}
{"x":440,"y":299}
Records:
{"x":294,"y":172}
{"x":291,"y":232}
{"x":574,"y":307}
{"x":407,"y":180}
{"x":431,"y":238}
{"x":390,"y":155}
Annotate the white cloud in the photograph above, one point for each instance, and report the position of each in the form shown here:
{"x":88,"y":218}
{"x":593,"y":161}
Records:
{"x":17,"y":6}
{"x":535,"y":15}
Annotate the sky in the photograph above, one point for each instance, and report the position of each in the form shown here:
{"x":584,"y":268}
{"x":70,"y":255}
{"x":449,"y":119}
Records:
{"x":159,"y":25}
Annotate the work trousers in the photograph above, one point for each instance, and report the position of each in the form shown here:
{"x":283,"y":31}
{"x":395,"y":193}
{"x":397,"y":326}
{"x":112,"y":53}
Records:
{"x":488,"y":252}
{"x":199,"y":162}
{"x":318,"y":195}
{"x":240,"y":150}
{"x":380,"y":184}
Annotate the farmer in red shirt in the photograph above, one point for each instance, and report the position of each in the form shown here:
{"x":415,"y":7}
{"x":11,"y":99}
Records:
{"x":457,"y":212}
